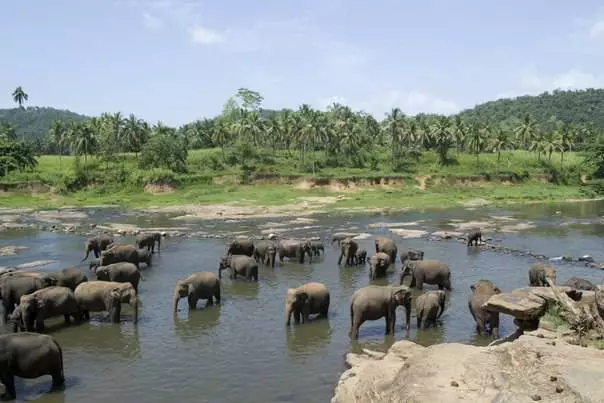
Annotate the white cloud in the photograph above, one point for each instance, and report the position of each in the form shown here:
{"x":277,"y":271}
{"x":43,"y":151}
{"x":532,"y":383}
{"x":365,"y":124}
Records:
{"x":575,"y":79}
{"x":152,"y":22}
{"x":596,"y":30}
{"x":205,"y":36}
{"x":531,"y":82}
{"x":411,"y":103}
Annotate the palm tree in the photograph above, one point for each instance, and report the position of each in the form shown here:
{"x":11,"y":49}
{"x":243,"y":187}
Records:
{"x":58,"y":135}
{"x":84,"y":141}
{"x":134,"y":133}
{"x":527,"y":131}
{"x":567,"y":133}
{"x":394,"y":126}
{"x":501,"y":141}
{"x":477,"y":139}
{"x":19,"y":96}
{"x":460,"y":131}
{"x":442,"y":137}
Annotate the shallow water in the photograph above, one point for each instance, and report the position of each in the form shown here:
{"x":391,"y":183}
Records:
{"x":241,"y":350}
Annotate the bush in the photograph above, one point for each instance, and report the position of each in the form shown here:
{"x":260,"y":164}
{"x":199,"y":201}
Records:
{"x":164,"y":151}
{"x":156,"y":176}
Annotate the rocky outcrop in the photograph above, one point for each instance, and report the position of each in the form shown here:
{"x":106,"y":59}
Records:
{"x":529,"y":369}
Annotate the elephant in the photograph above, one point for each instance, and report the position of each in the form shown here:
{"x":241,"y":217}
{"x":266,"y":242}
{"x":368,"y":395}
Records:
{"x":427,"y":307}
{"x":70,"y":277}
{"x":412,"y":254}
{"x":316,"y":247}
{"x":376,"y":301}
{"x":540,"y":273}
{"x":241,"y":265}
{"x":482,"y":290}
{"x":46,"y":277}
{"x":348,"y":248}
{"x":580,"y":284}
{"x":474,"y":237}
{"x":361,"y":256}
{"x":308,"y":299}
{"x":122,"y":272}
{"x":96,"y":296}
{"x":45,"y":303}
{"x":145,"y":256}
{"x":147,"y":240}
{"x":429,"y":271}
{"x":294,"y":248}
{"x":265,"y":252}
{"x":97,"y":244}
{"x":378,"y":264}
{"x":386,"y":245}
{"x":340,"y":236}
{"x":13,"y":288}
{"x":199,"y":285}
{"x":94,"y":263}
{"x":120,"y":253}
{"x":29,"y":355}
{"x":241,"y":246}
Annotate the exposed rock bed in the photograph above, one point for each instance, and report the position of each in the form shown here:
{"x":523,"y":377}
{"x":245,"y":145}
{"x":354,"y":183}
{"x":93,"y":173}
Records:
{"x":526,"y":370}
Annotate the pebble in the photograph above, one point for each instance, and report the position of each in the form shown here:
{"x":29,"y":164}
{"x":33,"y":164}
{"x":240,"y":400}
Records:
{"x":536,"y":397}
{"x":454,"y":384}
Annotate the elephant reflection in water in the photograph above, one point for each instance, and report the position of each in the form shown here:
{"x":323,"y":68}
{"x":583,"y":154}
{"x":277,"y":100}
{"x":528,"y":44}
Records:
{"x":105,"y":339}
{"x":309,"y":339}
{"x":198,"y":322}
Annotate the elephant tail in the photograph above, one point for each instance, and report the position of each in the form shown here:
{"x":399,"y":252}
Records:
{"x":60,"y":350}
{"x":142,"y":276}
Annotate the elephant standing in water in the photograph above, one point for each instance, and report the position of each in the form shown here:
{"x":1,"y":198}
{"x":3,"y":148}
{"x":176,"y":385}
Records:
{"x":265,"y":252}
{"x":48,"y":302}
{"x":199,"y":285}
{"x":308,"y":299}
{"x":374,"y":302}
{"x":317,"y":247}
{"x":120,"y":253}
{"x":378,"y":264}
{"x":241,"y":265}
{"x":340,"y":236}
{"x":14,"y":287}
{"x":348,"y":248}
{"x":482,"y":290}
{"x":412,"y":254}
{"x":580,"y":284}
{"x":97,"y":296}
{"x":474,"y":237}
{"x":147,"y":241}
{"x":241,"y":246}
{"x":122,"y":272}
{"x":294,"y":249}
{"x":387,"y":246}
{"x":29,"y":355}
{"x":70,"y":277}
{"x":540,"y":273}
{"x":430,"y":271}
{"x":97,"y":244}
{"x":427,"y":307}
{"x":361,"y":256}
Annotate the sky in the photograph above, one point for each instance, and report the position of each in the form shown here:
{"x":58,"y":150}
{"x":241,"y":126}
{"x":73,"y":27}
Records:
{"x":179,"y":60}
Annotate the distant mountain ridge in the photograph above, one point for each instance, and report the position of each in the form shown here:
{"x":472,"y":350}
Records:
{"x":33,"y":122}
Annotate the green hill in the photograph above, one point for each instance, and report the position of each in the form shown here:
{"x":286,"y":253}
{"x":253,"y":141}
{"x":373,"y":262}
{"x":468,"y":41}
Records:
{"x":33,"y":122}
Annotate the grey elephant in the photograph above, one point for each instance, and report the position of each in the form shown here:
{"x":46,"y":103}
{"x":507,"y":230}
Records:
{"x":29,"y":355}
{"x":97,"y":244}
{"x":487,"y":322}
{"x":294,"y":249}
{"x":45,"y":277}
{"x":387,"y":246}
{"x":580,"y":284}
{"x":429,"y":307}
{"x":144,"y":256}
{"x":374,"y":302}
{"x":69,"y":277}
{"x":340,"y":236}
{"x":199,"y":285}
{"x":474,"y":237}
{"x":378,"y":264}
{"x":412,"y":254}
{"x":48,"y":302}
{"x":540,"y":273}
{"x":308,"y":299}
{"x":348,"y":248}
{"x":98,"y":296}
{"x":361,"y":256}
{"x":239,"y":265}
{"x":120,"y":253}
{"x":265,"y":252}
{"x":147,"y":240}
{"x":429,"y":271}
{"x":241,"y":246}
{"x":122,"y":272}
{"x":13,"y":288}
{"x":317,"y":247}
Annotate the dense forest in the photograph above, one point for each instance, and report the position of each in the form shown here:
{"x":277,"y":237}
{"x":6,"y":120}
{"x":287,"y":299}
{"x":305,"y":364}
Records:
{"x":559,"y":122}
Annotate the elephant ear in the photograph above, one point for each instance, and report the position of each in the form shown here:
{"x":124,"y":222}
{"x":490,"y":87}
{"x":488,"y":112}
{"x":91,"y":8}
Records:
{"x":473,"y":287}
{"x":303,"y":297}
{"x":497,"y":290}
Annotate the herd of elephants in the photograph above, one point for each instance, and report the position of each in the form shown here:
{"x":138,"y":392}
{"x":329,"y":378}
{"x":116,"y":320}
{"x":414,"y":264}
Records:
{"x":29,"y":298}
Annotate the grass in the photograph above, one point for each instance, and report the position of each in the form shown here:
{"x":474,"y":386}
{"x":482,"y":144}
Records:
{"x":121,"y":184}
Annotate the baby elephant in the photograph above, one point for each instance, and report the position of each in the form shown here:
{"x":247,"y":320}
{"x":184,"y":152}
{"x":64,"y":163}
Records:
{"x":122,"y":272}
{"x":239,"y":265}
{"x":430,"y":271}
{"x":540,"y":273}
{"x":378,"y":264}
{"x":412,"y":254}
{"x":308,"y":299}
{"x":580,"y":284}
{"x":199,"y":285}
{"x":474,"y":237}
{"x":361,"y":256}
{"x":482,"y":290}
{"x":29,"y":355}
{"x":148,"y":240}
{"x":427,"y":307}
{"x":374,"y":302}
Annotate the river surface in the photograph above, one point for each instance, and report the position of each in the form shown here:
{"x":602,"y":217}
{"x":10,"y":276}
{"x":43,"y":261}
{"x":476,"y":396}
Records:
{"x":240,"y":350}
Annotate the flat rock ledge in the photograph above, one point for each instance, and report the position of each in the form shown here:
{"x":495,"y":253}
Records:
{"x":529,"y":369}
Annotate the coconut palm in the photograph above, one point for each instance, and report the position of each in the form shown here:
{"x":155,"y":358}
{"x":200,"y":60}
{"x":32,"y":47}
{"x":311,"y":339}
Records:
{"x":19,"y":96}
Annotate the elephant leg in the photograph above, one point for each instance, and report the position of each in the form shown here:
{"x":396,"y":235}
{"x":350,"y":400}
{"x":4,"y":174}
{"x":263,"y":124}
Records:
{"x":192,"y":300}
{"x":86,"y":315}
{"x":419,"y":320}
{"x":67,"y":319}
{"x":494,"y":324}
{"x":217,"y":295}
{"x":8,"y":379}
{"x":355,"y":323}
{"x":340,"y":258}
{"x":419,"y":282}
{"x":388,"y":323}
{"x":210,"y":301}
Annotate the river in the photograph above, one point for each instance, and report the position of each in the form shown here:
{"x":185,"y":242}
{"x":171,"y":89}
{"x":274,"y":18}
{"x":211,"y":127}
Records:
{"x":240,"y":350}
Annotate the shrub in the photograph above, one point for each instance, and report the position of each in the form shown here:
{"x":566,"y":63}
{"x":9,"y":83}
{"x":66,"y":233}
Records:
{"x":164,"y":151}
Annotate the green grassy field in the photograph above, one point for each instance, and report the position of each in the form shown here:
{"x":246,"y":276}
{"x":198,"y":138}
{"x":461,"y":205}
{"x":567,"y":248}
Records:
{"x":120,"y":182}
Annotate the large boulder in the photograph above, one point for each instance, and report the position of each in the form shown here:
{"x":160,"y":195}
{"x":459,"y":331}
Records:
{"x":524,"y":303}
{"x":526,"y":370}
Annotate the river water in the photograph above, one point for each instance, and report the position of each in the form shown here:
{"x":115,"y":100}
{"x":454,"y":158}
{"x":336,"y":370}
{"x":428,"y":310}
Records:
{"x":240,"y":350}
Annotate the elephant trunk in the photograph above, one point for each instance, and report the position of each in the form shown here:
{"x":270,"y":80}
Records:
{"x":134,"y":304}
{"x":288,"y":314}
{"x":87,"y":254}
{"x":407,"y":315}
{"x":175,"y":303}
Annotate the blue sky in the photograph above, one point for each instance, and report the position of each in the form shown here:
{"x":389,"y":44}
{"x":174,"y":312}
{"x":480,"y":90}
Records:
{"x":179,"y":60}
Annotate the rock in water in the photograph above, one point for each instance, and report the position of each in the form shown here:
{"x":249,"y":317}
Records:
{"x":511,"y":372}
